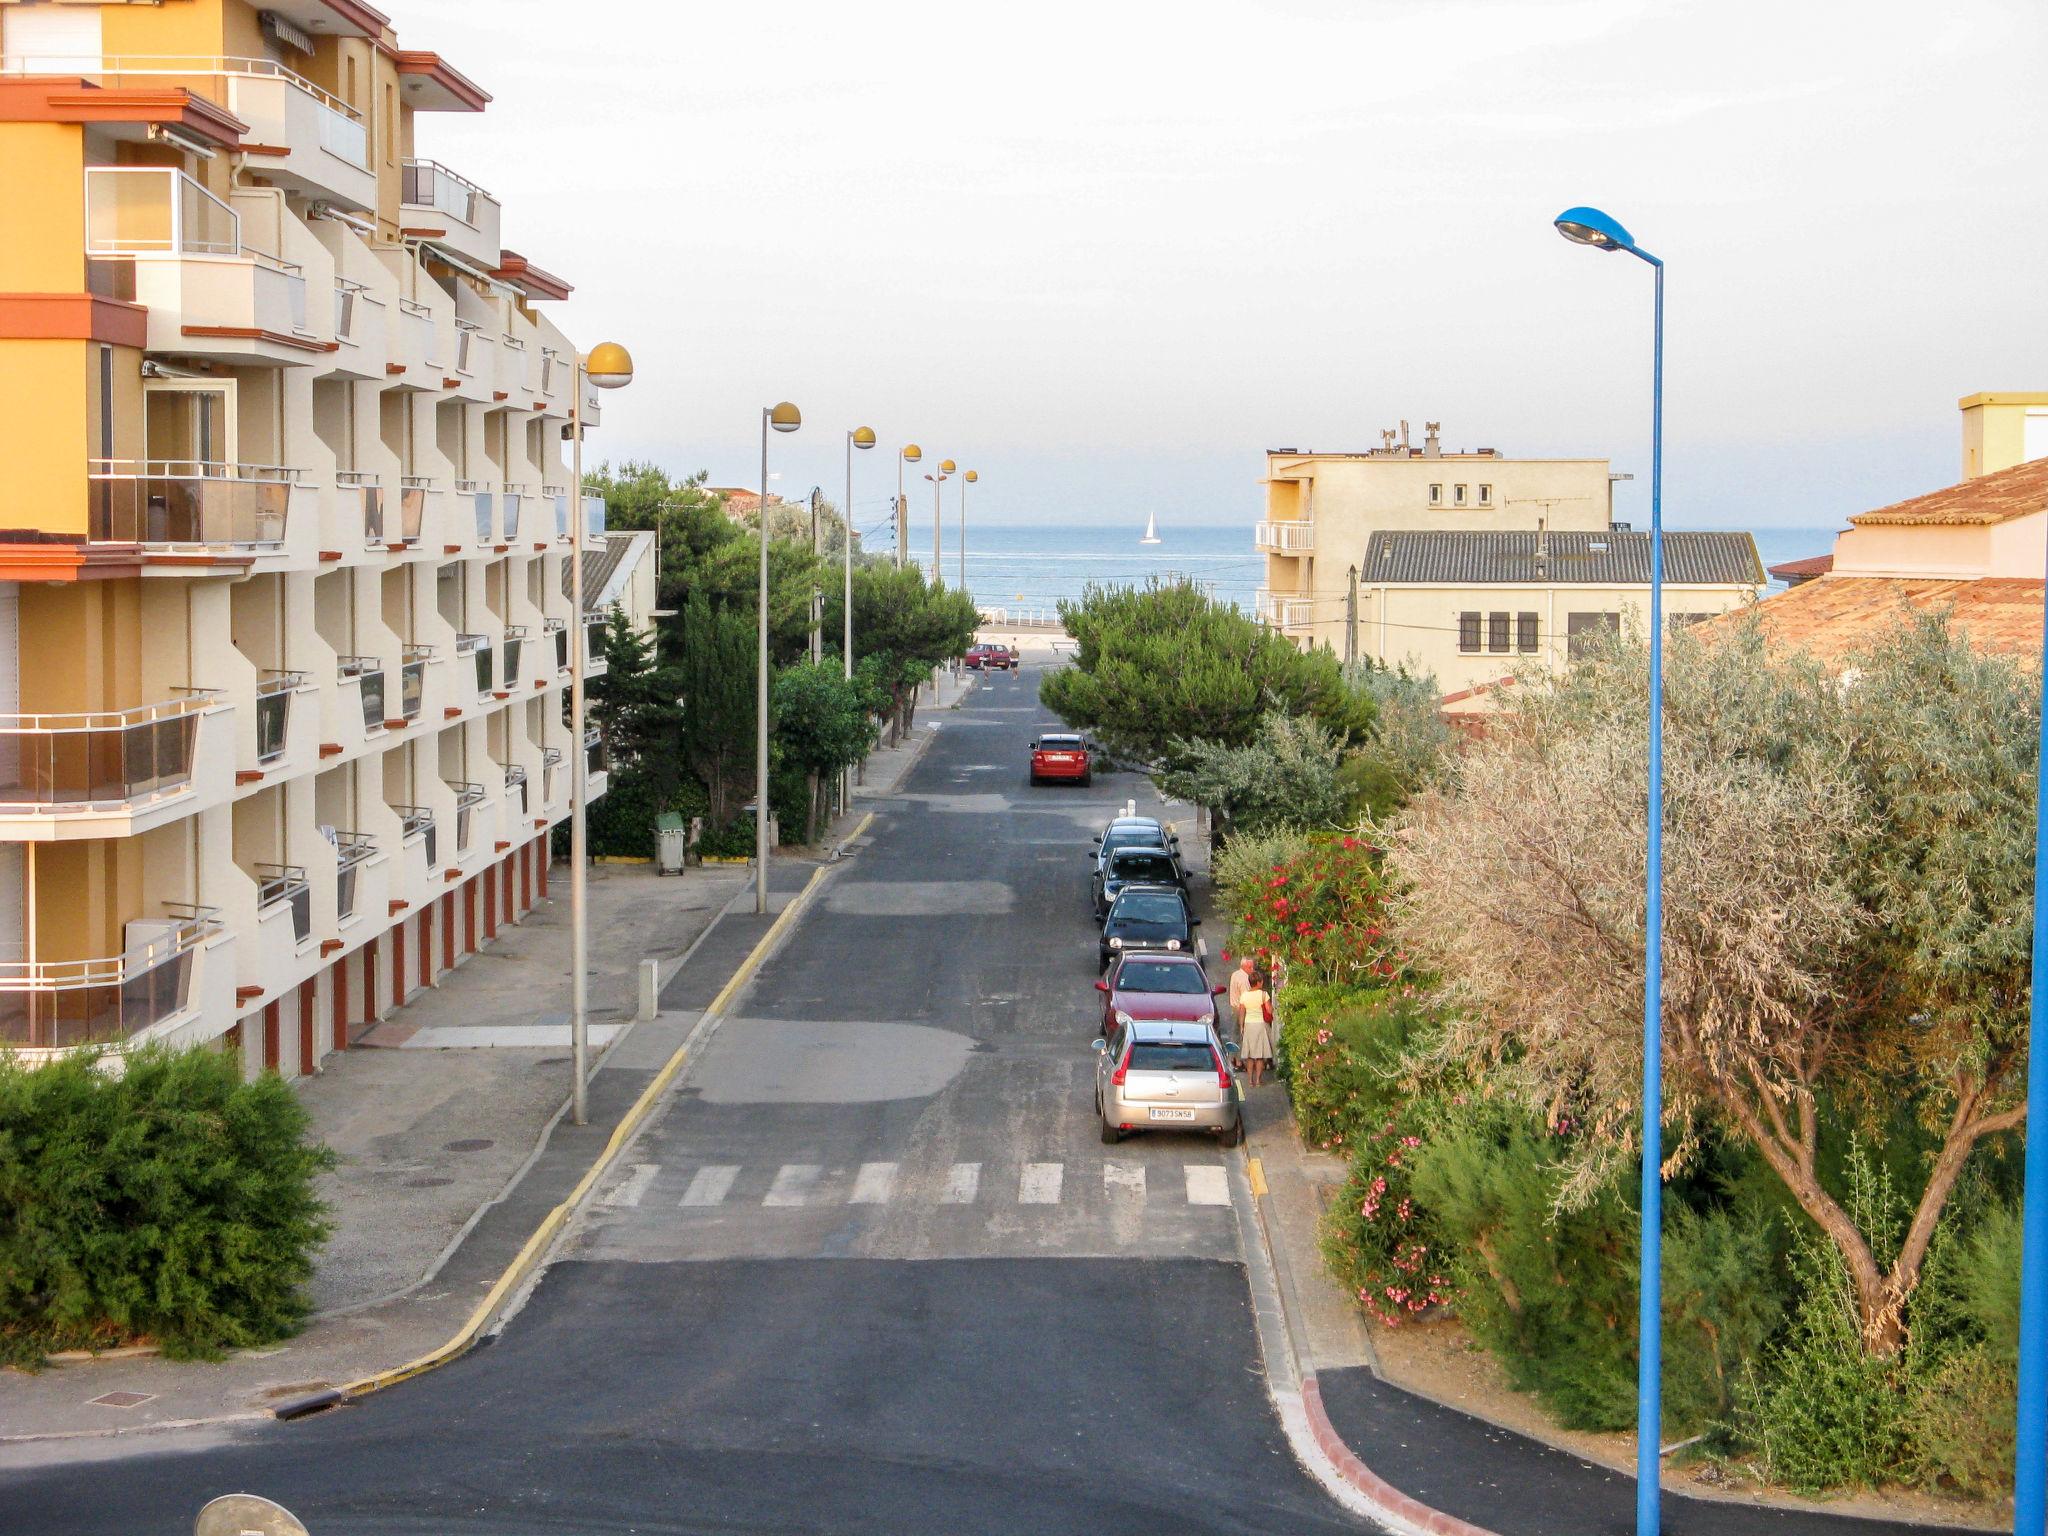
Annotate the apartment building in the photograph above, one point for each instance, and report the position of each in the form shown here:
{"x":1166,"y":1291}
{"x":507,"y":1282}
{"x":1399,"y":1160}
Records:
{"x":283,"y":524}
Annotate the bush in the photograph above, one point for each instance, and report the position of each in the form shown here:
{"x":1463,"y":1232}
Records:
{"x":1963,"y":1425}
{"x":170,"y":1202}
{"x":734,"y":840}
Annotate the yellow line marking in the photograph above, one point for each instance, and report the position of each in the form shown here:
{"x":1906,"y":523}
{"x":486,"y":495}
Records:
{"x":552,"y":1224}
{"x":1255,"y":1171}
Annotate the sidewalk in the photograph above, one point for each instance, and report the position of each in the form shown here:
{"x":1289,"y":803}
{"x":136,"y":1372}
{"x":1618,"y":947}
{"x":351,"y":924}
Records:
{"x":403,"y":1115}
{"x":1438,"y":1461}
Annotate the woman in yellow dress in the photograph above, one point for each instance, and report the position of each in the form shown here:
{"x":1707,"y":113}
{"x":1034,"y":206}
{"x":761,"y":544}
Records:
{"x":1255,"y":1027}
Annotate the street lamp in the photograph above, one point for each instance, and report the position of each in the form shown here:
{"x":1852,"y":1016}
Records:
{"x":783,"y":418}
{"x":910,"y":455}
{"x":609,"y":366}
{"x":1589,"y":226}
{"x":946,"y":467}
{"x":862,"y":438}
{"x":2030,"y":1446}
{"x":965,"y":481}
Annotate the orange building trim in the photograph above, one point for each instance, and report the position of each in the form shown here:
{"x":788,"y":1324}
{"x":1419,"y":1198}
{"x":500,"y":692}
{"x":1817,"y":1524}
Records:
{"x":80,"y":101}
{"x":72,"y":317}
{"x":431,"y":66}
{"x":257,"y":333}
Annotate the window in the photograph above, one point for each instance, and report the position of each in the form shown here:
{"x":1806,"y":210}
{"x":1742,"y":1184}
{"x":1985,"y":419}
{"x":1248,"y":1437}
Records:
{"x":1496,"y":632}
{"x":1457,"y":495}
{"x":390,"y":128}
{"x":1585,"y":631}
{"x":1436,"y":495}
{"x":1525,"y":632}
{"x":1172,"y":1056}
{"x":1684,"y":620}
{"x":1486,"y":495}
{"x":1468,"y":632}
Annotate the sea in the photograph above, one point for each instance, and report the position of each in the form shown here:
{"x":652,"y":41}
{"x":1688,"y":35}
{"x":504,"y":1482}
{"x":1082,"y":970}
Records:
{"x":1025,"y":569}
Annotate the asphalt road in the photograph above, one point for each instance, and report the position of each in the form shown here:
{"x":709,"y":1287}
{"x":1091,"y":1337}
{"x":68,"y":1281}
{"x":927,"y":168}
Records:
{"x":870,"y":1269}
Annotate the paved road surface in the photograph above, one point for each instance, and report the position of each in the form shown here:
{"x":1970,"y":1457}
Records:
{"x":871,"y":1270}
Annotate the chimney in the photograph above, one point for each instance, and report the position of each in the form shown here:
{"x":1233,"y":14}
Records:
{"x":1404,"y":437}
{"x":1542,"y":546}
{"x":1431,"y":448}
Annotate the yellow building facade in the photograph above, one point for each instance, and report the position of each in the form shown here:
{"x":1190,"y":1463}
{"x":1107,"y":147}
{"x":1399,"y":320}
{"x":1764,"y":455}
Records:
{"x":283,"y":640}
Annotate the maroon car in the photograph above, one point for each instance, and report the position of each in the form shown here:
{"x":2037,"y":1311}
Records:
{"x":1156,"y":984}
{"x":991,"y":656}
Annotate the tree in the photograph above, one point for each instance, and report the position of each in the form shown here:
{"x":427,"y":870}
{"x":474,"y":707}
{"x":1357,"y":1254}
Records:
{"x":902,"y":619}
{"x":820,"y":727}
{"x":634,"y":706}
{"x":1846,"y":904}
{"x":1287,"y":775}
{"x":718,"y":670}
{"x":1166,"y":663}
{"x":1411,"y":743}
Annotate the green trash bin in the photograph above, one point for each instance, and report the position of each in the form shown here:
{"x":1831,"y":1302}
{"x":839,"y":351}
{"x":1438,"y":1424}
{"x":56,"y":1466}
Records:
{"x":671,"y":843}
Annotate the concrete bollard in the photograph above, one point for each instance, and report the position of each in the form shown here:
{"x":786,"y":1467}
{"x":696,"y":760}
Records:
{"x":650,"y":989}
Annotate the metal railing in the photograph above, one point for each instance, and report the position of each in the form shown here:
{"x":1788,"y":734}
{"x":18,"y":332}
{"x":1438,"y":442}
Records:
{"x":481,"y":500}
{"x":1285,"y":538}
{"x":412,"y":680}
{"x":366,"y":487}
{"x":278,"y":883}
{"x":550,"y":766}
{"x":417,"y":821}
{"x":595,"y":758}
{"x":188,"y":503}
{"x":465,"y":642}
{"x":467,"y":798}
{"x":561,"y":500}
{"x":596,"y":630}
{"x":515,"y":650}
{"x":47,"y":1004}
{"x":484,"y":674}
{"x":513,"y":501}
{"x":1284,"y":610}
{"x":515,"y":779}
{"x":412,"y":506}
{"x":593,"y":517}
{"x":559,"y":628}
{"x":98,"y":761}
{"x":429,"y":184}
{"x":274,"y":690}
{"x":140,"y":210}
{"x":368,"y":672}
{"x":355,"y":849}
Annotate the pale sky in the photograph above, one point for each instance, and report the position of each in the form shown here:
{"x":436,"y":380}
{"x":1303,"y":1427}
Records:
{"x":1106,"y":254}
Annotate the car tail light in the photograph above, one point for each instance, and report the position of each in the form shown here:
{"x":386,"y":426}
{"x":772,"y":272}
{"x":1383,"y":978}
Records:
{"x":1123,"y":1065}
{"x":1222,"y":1073}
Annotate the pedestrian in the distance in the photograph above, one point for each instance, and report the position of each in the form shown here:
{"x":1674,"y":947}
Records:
{"x":1255,"y":1027}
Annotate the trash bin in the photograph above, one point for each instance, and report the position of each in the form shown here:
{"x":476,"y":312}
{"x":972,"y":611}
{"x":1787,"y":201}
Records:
{"x":671,"y":843}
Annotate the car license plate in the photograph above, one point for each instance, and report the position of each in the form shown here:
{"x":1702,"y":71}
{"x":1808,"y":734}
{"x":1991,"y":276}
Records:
{"x":1173,"y":1114}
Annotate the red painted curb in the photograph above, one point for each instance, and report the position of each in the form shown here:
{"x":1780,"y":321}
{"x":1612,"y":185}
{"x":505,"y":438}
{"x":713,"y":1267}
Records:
{"x":1369,"y":1482}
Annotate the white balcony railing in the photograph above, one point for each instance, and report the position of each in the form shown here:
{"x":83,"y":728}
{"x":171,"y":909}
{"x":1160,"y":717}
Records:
{"x":46,"y":1004}
{"x":1284,"y":610}
{"x":101,"y":761}
{"x":187,"y":503}
{"x":1289,"y":538}
{"x":429,"y":184}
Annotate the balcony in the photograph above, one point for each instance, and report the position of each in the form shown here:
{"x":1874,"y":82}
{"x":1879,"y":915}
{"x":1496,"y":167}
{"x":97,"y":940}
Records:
{"x":55,"y":1004}
{"x":274,"y":690}
{"x":560,"y":498}
{"x":550,"y":774}
{"x":118,"y":760}
{"x":596,"y":762}
{"x":479,"y":647}
{"x":512,"y":501}
{"x":467,"y":798}
{"x":353,"y":851}
{"x":450,"y":211}
{"x":416,"y":825}
{"x":593,"y":517}
{"x":412,"y":508}
{"x":281,"y":886}
{"x":416,"y":347}
{"x":354,"y":486}
{"x":1290,"y":538}
{"x":362,"y":342}
{"x":515,"y":653}
{"x":515,"y":789}
{"x":412,"y":684}
{"x":327,"y":143}
{"x":154,"y":236}
{"x":559,"y":630}
{"x":1284,"y":610}
{"x":367,"y":673}
{"x":596,"y":636}
{"x":189,"y":504}
{"x":482,"y":501}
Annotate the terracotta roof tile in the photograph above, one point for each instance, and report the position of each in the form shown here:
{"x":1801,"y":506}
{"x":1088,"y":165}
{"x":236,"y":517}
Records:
{"x":1996,"y":498}
{"x":1836,"y":616}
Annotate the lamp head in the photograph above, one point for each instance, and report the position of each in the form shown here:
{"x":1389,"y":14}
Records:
{"x":863,"y":437}
{"x":972,"y":477}
{"x":1589,"y":226}
{"x":945,"y":466}
{"x":785,"y":417}
{"x":912,"y":453}
{"x":609,"y":365}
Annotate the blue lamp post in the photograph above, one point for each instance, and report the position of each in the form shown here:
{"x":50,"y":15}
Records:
{"x":1589,"y":226}
{"x":2030,"y":1474}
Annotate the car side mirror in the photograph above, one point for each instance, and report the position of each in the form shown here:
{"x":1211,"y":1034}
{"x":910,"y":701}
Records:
{"x":1218,"y":991}
{"x":1098,"y":1046}
{"x":1194,"y":922}
{"x":1102,"y":986}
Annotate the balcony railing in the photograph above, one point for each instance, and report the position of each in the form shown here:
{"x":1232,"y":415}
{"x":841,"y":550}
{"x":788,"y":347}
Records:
{"x":274,"y":690}
{"x":355,"y":849}
{"x":277,"y":884}
{"x":429,"y":184}
{"x":596,"y":633}
{"x":484,"y":675}
{"x":593,"y":517}
{"x":342,"y":130}
{"x":1285,"y":538}
{"x":178,"y":503}
{"x":345,"y":291}
{"x":1284,"y":610}
{"x":595,"y":758}
{"x":515,"y":650}
{"x":368,"y":672}
{"x":467,"y":798}
{"x":481,"y":500}
{"x":560,"y":497}
{"x":559,"y":628}
{"x":416,"y":821}
{"x":466,"y":642}
{"x":412,"y":507}
{"x":515,"y":784}
{"x":133,"y":210}
{"x":465,"y":332}
{"x":512,"y":501}
{"x":550,"y":770}
{"x":99,"y":761}
{"x":365,"y":486}
{"x":47,"y":1004}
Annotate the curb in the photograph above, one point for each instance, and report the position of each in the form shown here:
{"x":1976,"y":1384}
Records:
{"x":1382,"y":1494}
{"x":535,"y":1247}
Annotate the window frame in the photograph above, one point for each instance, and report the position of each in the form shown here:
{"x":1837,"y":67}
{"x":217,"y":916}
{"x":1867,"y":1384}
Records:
{"x":1469,"y":631}
{"x":1499,"y":633}
{"x":1528,"y":632}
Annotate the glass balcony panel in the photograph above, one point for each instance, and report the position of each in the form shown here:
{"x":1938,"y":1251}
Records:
{"x":593,"y":516}
{"x":484,"y":673}
{"x":286,"y":883}
{"x":187,"y":502}
{"x":61,"y":1003}
{"x":412,"y":686}
{"x":97,"y":760}
{"x":412,"y":509}
{"x":484,"y":521}
{"x":136,"y":210}
{"x":273,"y":711}
{"x":514,"y":501}
{"x":515,"y":645}
{"x":561,"y":514}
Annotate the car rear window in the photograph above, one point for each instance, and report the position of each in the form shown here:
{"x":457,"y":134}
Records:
{"x":1147,"y":907}
{"x":1139,"y":865}
{"x":1159,"y":976}
{"x":1172,"y":1056}
{"x":1059,"y":743}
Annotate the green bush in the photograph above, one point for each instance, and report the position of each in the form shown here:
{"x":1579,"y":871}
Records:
{"x":168,"y":1201}
{"x":734,"y":840}
{"x":1962,"y":1423}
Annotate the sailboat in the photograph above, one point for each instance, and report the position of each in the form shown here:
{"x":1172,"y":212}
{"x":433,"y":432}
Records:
{"x":1151,"y":529}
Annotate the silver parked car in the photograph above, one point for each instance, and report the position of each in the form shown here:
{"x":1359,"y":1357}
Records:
{"x":1166,"y":1074}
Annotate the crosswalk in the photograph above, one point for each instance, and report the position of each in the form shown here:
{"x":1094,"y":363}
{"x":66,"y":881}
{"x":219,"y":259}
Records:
{"x":810,"y":1185}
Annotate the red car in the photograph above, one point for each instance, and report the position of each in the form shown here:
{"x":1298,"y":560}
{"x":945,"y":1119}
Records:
{"x":992,"y":655}
{"x":1157,"y":985}
{"x":1061,"y":757}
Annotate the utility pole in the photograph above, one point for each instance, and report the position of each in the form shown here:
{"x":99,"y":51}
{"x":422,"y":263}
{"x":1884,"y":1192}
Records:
{"x":1351,"y":620}
{"x":817,"y":592}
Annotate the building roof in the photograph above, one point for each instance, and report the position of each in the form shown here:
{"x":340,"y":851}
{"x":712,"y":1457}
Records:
{"x":609,"y":568}
{"x":1836,"y":616}
{"x":1456,"y":558}
{"x":1995,"y":498}
{"x":1801,"y":570}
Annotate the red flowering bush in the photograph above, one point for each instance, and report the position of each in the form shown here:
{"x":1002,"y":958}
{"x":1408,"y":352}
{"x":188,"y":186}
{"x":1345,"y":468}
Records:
{"x":1320,"y":914}
{"x":1379,"y":1239}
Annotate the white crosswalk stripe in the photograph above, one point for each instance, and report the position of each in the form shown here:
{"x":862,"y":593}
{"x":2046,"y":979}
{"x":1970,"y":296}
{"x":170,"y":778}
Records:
{"x":635,"y":1185}
{"x":711,"y":1184}
{"x":873,"y":1185}
{"x":1126,"y":1179}
{"x":793,"y":1185}
{"x":963,"y":1183}
{"x":1207,"y":1184}
{"x":1040,"y":1184}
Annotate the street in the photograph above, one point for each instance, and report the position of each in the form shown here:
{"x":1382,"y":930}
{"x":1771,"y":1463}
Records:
{"x":869,"y":1269}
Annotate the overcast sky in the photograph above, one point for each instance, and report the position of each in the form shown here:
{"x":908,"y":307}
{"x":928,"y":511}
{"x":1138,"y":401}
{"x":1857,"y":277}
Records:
{"x":1107,"y":253}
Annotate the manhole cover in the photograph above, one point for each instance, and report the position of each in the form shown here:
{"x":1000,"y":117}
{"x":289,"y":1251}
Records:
{"x":121,"y":1399}
{"x":470,"y":1144}
{"x":433,"y":1183}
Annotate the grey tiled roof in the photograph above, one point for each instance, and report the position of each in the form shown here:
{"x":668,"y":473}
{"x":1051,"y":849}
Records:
{"x":598,"y":566}
{"x":1449,"y":557}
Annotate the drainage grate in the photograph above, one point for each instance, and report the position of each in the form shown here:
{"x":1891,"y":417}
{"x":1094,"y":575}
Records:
{"x":432,"y":1183}
{"x":122,"y":1399}
{"x":469,"y":1144}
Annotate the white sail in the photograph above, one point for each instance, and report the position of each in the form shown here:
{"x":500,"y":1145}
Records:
{"x":1151,"y":529}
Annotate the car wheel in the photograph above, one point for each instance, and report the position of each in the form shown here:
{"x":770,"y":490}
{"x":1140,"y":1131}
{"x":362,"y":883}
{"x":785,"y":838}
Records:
{"x":1233,"y":1136}
{"x":1087,"y":779}
{"x":1110,"y":1134}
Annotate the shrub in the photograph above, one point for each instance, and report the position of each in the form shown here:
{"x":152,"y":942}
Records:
{"x":170,"y":1202}
{"x":1378,"y":1237}
{"x":1321,"y":914}
{"x":1961,"y":1417}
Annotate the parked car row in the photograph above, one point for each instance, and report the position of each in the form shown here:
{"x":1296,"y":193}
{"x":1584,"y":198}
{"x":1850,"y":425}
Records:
{"x":1160,"y":1061}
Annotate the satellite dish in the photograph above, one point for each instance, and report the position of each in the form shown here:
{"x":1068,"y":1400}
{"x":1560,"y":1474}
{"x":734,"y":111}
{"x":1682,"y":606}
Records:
{"x":246,"y":1514}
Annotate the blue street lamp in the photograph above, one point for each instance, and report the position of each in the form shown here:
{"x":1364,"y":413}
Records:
{"x":2030,"y":1475}
{"x":1589,"y":226}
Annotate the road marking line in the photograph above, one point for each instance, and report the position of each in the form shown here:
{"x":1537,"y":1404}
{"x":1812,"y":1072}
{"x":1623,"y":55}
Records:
{"x":711,"y":1185}
{"x":1040,"y":1184}
{"x":634,"y":1186}
{"x":1207,"y":1184}
{"x":1255,"y":1173}
{"x":963,"y":1183}
{"x":1124,"y":1179}
{"x":874,"y":1184}
{"x":793,"y":1184}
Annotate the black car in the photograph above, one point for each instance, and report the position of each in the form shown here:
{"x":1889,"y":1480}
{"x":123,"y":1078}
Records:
{"x":1146,"y":917}
{"x":1156,"y":865}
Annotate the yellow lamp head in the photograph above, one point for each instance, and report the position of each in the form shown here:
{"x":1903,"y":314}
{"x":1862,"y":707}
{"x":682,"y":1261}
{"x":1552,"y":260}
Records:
{"x":863,"y":437}
{"x":972,"y":477}
{"x":912,"y":454}
{"x":785,"y":417}
{"x":945,"y":466}
{"x":609,"y":365}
